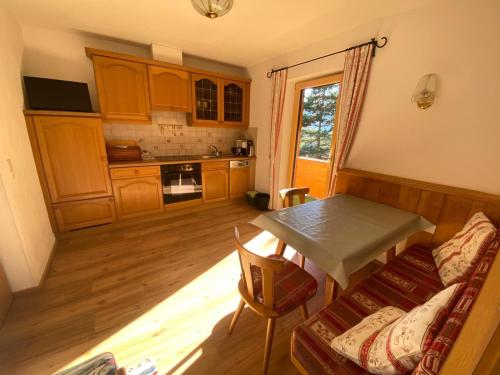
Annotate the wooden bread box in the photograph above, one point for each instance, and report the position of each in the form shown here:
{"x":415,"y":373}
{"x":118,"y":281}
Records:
{"x":123,"y":151}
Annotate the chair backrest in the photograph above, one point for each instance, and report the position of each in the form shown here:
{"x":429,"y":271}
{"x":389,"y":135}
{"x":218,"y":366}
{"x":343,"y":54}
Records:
{"x":288,"y":194}
{"x":268,"y":267}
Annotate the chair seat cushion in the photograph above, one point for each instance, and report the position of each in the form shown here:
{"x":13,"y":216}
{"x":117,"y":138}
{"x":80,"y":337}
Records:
{"x":293,"y":286}
{"x":407,"y":281}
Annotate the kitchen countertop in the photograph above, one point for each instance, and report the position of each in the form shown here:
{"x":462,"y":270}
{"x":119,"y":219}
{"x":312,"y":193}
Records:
{"x":175,"y":160}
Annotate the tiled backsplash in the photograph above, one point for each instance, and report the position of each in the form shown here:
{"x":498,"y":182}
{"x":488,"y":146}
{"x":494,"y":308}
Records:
{"x":169,"y":135}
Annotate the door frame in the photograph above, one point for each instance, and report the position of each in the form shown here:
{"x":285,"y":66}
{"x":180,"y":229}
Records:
{"x":297,"y":119}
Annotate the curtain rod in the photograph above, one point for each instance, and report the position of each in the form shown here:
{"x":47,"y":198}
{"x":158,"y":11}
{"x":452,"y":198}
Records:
{"x":372,"y":41}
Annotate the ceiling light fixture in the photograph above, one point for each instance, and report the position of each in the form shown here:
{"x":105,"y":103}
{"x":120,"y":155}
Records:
{"x":212,"y":8}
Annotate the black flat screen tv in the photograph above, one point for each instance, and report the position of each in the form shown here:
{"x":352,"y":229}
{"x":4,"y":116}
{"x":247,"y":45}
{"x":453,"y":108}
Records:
{"x":57,"y":95}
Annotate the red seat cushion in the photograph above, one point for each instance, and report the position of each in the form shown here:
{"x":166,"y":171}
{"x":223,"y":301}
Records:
{"x":293,"y":286}
{"x":405,"y":282}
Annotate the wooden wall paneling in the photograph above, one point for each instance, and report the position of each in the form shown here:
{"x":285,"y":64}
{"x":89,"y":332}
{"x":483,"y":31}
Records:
{"x":355,"y":186}
{"x":389,"y":194}
{"x":430,"y":204}
{"x":490,"y":360}
{"x":408,"y":198}
{"x":478,"y":329}
{"x":454,"y":214}
{"x":446,"y":206}
{"x":371,"y":189}
{"x":476,"y":206}
{"x":341,"y":183}
{"x":493,"y":212}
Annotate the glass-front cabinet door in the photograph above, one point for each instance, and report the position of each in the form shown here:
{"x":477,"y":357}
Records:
{"x":206,"y":100}
{"x":234,"y":102}
{"x":219,"y":102}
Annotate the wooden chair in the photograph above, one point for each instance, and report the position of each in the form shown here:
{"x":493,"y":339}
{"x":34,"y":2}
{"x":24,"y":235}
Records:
{"x":287,"y":196}
{"x":272,"y":286}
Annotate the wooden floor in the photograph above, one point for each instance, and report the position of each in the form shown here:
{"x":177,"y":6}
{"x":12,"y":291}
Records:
{"x":161,"y":287}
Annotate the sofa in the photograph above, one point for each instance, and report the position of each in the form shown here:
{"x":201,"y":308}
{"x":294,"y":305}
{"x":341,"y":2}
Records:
{"x":408,"y":280}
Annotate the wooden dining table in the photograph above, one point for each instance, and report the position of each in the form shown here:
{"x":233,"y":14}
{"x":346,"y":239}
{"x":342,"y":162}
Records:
{"x":341,"y":234}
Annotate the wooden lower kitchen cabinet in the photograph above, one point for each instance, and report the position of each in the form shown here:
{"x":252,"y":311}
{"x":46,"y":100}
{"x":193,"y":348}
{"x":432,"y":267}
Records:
{"x":73,"y":156}
{"x":239,"y":181}
{"x":138,"y":196}
{"x":85,"y":213}
{"x":215,"y":181}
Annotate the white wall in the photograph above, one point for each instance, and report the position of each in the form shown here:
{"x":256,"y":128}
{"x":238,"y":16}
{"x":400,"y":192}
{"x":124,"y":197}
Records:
{"x":25,"y":232}
{"x":456,"y":141}
{"x":60,"y":54}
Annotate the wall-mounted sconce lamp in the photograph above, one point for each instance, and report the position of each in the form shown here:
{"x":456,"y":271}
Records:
{"x":425,"y":92}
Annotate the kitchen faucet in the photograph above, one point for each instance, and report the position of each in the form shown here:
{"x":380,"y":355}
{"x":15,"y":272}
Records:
{"x":215,"y":150}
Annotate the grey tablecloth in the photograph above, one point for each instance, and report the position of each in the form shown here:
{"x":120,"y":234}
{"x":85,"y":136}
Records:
{"x":343,"y":233}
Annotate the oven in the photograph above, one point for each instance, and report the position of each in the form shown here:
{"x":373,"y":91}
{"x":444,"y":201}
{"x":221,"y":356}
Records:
{"x":181,"y":182}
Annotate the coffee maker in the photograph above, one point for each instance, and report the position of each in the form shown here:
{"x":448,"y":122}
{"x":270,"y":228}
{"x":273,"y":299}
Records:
{"x":250,"y":148}
{"x":243,"y":148}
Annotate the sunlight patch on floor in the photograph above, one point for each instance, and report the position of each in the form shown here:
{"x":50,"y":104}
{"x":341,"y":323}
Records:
{"x":174,"y":330}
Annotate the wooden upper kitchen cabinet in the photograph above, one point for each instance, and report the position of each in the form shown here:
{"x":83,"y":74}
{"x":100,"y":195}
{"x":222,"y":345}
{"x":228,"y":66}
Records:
{"x":137,"y":196}
{"x":122,"y":87}
{"x":73,"y":157}
{"x":170,"y":89}
{"x":215,"y":181}
{"x":206,"y":100}
{"x":235,"y":102}
{"x":219,"y":102}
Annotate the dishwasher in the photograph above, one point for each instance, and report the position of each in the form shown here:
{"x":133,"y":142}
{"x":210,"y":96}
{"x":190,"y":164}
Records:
{"x":239,"y":178}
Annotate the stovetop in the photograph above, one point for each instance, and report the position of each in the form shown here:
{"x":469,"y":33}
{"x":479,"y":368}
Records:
{"x":178,"y":158}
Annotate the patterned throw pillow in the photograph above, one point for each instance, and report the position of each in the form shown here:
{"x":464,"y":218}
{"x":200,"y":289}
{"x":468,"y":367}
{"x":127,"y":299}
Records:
{"x":391,"y":341}
{"x":456,"y":258}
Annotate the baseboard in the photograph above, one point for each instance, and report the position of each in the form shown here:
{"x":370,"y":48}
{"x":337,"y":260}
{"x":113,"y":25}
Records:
{"x":44,"y":273}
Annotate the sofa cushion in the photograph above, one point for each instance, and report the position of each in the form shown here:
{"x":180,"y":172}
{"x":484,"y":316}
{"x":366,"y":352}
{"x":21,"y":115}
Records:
{"x":385,"y":347}
{"x":293,"y":286}
{"x":457,"y":257}
{"x":434,"y":358}
{"x":355,"y":343}
{"x":405,"y":282}
{"x":103,"y":364}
